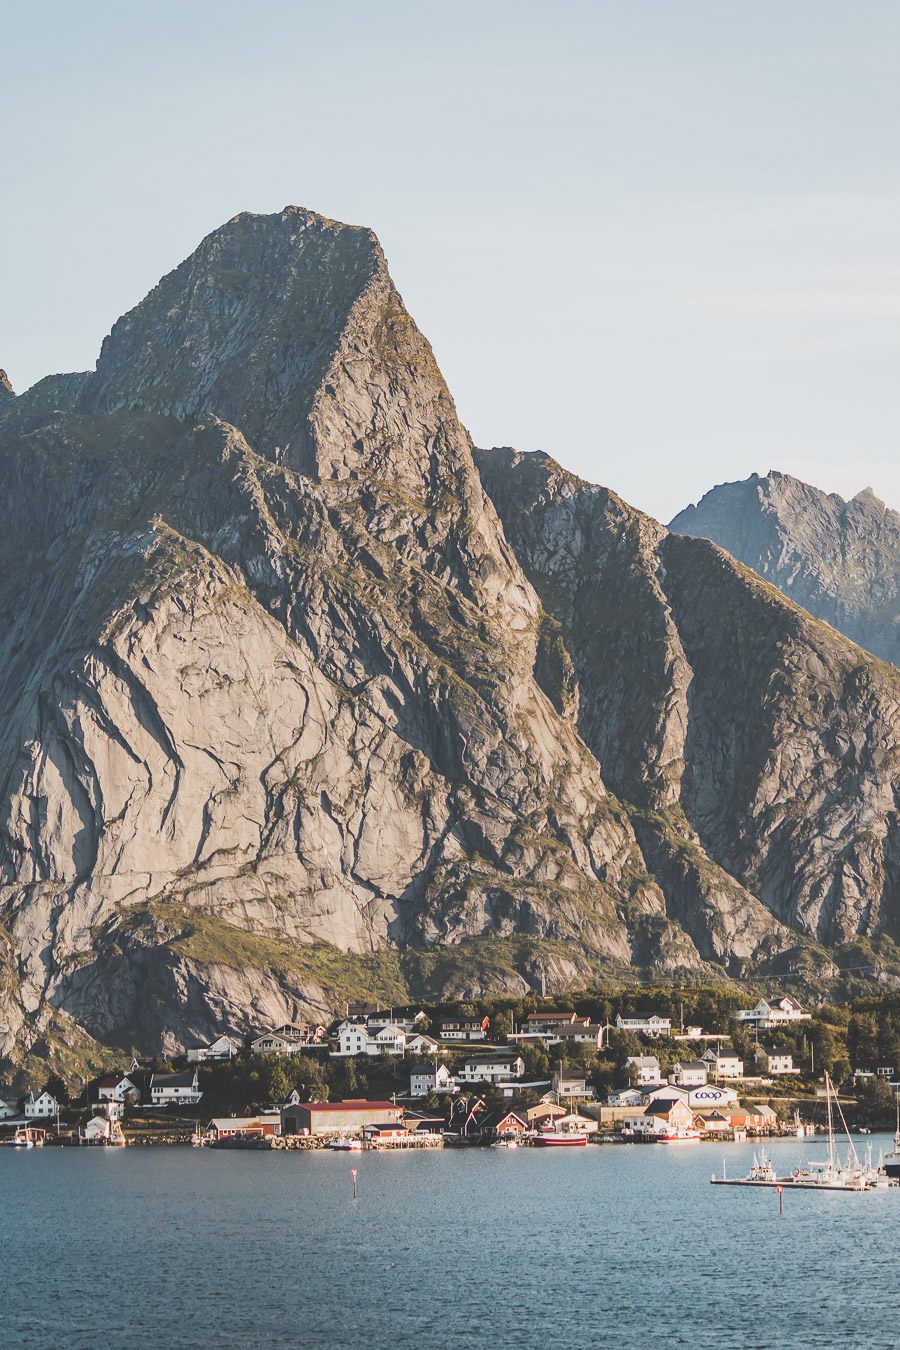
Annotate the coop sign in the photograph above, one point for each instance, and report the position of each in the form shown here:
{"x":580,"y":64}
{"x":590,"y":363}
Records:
{"x":708,"y":1095}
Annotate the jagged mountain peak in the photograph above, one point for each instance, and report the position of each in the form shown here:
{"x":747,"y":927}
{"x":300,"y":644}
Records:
{"x":289,"y":327}
{"x":6,"y":389}
{"x":838,"y":559}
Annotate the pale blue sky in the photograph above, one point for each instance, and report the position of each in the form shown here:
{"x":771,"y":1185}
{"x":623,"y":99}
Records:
{"x":659,"y":239}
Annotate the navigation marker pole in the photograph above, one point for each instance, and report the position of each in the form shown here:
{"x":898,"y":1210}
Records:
{"x":353,"y":1175}
{"x":780,"y":1201}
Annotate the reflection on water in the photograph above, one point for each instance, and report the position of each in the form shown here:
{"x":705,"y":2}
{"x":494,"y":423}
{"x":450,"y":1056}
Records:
{"x":189,"y":1248}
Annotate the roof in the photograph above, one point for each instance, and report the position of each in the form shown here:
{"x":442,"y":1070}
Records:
{"x":355,"y":1105}
{"x":487,"y":1057}
{"x":113,"y":1080}
{"x":495,"y":1118}
{"x":173,"y":1079}
{"x":692,"y":1064}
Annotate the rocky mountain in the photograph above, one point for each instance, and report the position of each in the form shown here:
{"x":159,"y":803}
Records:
{"x":298,"y":703}
{"x":840,"y":560}
{"x":759,"y":746}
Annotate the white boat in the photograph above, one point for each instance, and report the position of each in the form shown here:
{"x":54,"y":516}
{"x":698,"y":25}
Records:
{"x":892,"y":1159}
{"x":762,"y":1173}
{"x":824,"y":1175}
{"x":346,"y":1145}
{"x":828,"y":1174}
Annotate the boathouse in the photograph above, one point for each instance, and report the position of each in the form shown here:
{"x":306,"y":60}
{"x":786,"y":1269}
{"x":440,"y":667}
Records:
{"x":347,"y":1117}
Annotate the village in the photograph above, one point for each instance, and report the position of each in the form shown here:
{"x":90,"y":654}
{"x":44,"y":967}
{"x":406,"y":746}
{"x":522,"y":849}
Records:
{"x":407,"y":1078}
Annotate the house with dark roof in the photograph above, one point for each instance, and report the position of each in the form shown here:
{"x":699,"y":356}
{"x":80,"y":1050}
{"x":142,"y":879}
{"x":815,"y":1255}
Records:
{"x":688,"y":1073}
{"x":344,"y":1117}
{"x":501,"y":1123}
{"x":775,"y":1059}
{"x":463,"y":1028}
{"x":660,"y":1119}
{"x":175,"y":1089}
{"x":506,"y":1066}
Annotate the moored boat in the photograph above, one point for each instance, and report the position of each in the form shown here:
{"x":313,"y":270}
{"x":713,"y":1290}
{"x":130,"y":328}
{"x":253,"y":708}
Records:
{"x":892,"y":1159}
{"x":28,"y":1136}
{"x":558,"y":1139}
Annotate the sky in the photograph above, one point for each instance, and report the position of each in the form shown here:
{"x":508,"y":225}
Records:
{"x":659,"y":241}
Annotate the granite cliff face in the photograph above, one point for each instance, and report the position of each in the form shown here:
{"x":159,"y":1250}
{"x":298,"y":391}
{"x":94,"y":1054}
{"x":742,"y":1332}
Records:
{"x":840,"y":560}
{"x":760,"y":747}
{"x":288,"y":714}
{"x":268,"y":664}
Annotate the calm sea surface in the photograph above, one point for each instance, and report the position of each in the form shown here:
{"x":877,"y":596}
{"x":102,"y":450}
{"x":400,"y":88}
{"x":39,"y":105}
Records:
{"x":171,"y":1248}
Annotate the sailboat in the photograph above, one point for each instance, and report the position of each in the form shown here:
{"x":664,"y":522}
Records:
{"x":892,"y":1159}
{"x":828,"y":1174}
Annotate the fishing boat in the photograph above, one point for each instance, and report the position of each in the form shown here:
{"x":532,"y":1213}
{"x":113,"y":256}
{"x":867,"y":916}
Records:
{"x":683,"y":1136}
{"x":28,"y":1136}
{"x":558,"y":1139}
{"x":346,"y":1145}
{"x":762,"y":1173}
{"x":892,"y":1159}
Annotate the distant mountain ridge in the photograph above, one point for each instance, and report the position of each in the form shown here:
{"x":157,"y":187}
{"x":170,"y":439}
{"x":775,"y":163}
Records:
{"x":838,"y":559}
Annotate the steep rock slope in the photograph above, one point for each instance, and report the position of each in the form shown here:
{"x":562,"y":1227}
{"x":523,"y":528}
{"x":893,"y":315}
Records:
{"x":268,"y":667}
{"x":839,"y":560}
{"x":760,"y":747}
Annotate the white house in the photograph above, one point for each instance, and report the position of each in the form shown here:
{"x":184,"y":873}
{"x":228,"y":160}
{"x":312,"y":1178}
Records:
{"x":356,"y":1039}
{"x":425,"y":1080}
{"x":774,"y":1013}
{"x":646,"y":1067}
{"x":571,"y":1085}
{"x":288,"y":1039}
{"x":420,"y":1044}
{"x":723,"y":1064}
{"x":579,"y":1033}
{"x":630,"y":1096}
{"x":115,"y":1087}
{"x":9,"y":1107}
{"x":179,"y":1089}
{"x":407,"y":1022}
{"x":223,"y":1047}
{"x":40,"y":1107}
{"x":709,"y":1096}
{"x":96,"y":1128}
{"x":463,"y":1028}
{"x":501,"y":1068}
{"x":690,"y":1073}
{"x":645,"y":1024}
{"x":776,"y":1061}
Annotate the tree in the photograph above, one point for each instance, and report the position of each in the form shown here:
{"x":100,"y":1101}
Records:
{"x":57,"y":1088}
{"x":862,"y":1039}
{"x":875,"y":1098}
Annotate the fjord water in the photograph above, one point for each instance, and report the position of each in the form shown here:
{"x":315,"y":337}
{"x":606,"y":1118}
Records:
{"x":187,"y":1248}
